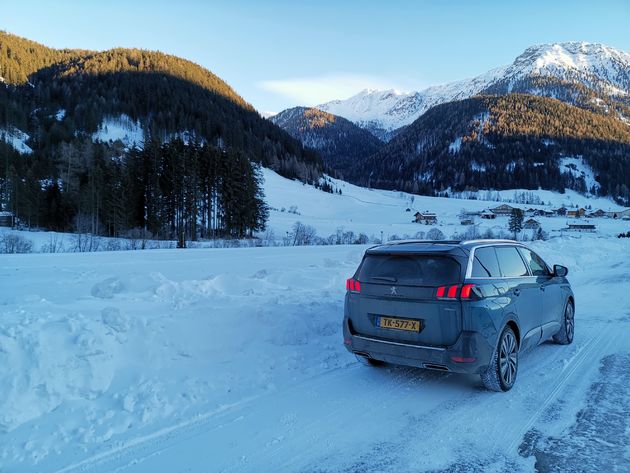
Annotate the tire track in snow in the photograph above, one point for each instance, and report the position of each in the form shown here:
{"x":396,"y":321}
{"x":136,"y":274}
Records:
{"x":467,"y":409}
{"x":138,"y":448}
{"x":602,"y":341}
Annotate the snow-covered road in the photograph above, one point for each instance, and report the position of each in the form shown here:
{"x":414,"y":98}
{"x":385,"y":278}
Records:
{"x":231,"y":360}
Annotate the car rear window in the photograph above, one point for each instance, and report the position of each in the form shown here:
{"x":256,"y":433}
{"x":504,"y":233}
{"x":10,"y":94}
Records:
{"x":414,"y":270}
{"x":485,"y":264}
{"x":510,"y":262}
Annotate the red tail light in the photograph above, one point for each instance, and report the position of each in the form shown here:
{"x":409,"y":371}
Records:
{"x":466,"y":290}
{"x":353,"y":285}
{"x":451,"y":292}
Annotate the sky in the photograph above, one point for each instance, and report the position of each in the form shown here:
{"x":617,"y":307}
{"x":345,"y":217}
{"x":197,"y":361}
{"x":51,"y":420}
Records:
{"x":279,"y":54}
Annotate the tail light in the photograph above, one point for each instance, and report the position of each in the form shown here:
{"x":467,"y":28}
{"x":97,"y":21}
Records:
{"x":353,"y":285}
{"x":455,"y":291}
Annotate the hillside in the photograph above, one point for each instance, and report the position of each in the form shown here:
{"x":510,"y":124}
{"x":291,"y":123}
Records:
{"x":340,"y":142}
{"x":165,"y":94}
{"x":503,"y":142}
{"x":71,"y":119}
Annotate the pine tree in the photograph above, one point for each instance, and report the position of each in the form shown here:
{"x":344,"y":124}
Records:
{"x":516,"y":221}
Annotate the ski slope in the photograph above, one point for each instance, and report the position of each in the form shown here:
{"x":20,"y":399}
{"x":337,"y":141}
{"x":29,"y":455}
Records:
{"x":232,"y":360}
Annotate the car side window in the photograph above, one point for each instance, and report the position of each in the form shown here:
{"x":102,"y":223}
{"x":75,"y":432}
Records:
{"x":535,"y":262}
{"x":485,"y":264}
{"x":510,"y":262}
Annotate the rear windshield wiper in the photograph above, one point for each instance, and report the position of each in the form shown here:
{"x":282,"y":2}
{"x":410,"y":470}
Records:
{"x":384,"y":278}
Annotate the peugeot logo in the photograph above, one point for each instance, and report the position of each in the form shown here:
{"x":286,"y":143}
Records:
{"x":392,"y":291}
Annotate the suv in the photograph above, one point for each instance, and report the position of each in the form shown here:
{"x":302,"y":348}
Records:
{"x":459,"y":306}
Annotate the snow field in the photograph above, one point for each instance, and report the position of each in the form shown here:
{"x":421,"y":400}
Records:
{"x":150,"y":361}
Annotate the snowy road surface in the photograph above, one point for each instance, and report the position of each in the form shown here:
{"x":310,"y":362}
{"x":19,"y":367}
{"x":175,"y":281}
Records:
{"x":232,"y":360}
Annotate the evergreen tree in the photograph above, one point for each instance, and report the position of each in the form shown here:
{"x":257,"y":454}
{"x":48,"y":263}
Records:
{"x":515,"y":224}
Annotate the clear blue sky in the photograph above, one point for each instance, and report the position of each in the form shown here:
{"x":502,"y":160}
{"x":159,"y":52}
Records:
{"x":278,"y":54}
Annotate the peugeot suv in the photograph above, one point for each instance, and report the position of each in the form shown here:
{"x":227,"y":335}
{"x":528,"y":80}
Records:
{"x":458,"y":306}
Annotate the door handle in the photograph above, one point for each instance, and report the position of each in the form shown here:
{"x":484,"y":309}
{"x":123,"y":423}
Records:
{"x":517,"y":292}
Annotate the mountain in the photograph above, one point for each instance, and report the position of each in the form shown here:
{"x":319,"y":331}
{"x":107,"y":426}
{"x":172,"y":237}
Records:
{"x":55,"y":96}
{"x":504,"y":142}
{"x":584,"y":74}
{"x":130,"y":139}
{"x":341,"y":143}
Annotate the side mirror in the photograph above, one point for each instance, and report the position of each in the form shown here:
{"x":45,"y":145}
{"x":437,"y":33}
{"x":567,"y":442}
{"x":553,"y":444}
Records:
{"x":560,"y":271}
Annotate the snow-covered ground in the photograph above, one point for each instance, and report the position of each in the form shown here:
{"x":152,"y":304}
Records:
{"x":372,"y":211}
{"x":121,"y":128}
{"x":16,"y":138}
{"x":232,"y":360}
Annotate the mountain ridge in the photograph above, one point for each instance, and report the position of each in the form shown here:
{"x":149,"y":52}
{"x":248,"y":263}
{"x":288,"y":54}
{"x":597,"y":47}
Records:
{"x":603,"y":69}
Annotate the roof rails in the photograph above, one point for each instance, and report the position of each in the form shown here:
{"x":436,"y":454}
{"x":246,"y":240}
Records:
{"x":432,"y":242}
{"x":474,"y":242}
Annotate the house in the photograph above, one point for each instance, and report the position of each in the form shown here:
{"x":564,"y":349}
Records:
{"x":576,"y":213}
{"x":425,"y":217}
{"x":544,"y":213}
{"x":581,"y":227}
{"x":467,"y":221}
{"x":597,"y":214}
{"x":7,"y":219}
{"x":503,"y":209}
{"x":531,"y":211}
{"x":531,"y":224}
{"x":489,"y":214}
{"x":619,"y":213}
{"x":562,"y":211}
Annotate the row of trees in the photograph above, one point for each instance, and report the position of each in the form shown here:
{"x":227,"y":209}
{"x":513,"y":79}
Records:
{"x":165,"y":191}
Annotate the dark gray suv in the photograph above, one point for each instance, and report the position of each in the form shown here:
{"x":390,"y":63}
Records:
{"x":460,"y":306}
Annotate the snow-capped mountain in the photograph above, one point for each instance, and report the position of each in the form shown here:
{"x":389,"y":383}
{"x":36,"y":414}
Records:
{"x":603,"y":69}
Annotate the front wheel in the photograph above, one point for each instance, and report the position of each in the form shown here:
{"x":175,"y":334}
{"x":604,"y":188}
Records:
{"x":501,"y":372}
{"x":567,"y":329}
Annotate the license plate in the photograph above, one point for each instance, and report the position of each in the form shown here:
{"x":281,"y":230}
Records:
{"x":399,"y":324}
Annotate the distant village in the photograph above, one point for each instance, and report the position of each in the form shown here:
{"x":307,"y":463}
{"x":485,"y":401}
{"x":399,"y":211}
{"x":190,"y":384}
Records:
{"x":532,"y":216}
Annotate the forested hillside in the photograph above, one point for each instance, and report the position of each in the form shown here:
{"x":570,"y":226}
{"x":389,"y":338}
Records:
{"x":503,"y":142}
{"x":341,"y":143}
{"x":55,"y":101}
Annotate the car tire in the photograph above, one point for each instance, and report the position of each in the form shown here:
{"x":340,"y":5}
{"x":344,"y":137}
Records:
{"x":365,"y":360}
{"x":567,"y":329}
{"x":501,"y":373}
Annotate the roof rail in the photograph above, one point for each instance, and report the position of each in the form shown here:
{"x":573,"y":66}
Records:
{"x":487,"y":240}
{"x":433,"y":242}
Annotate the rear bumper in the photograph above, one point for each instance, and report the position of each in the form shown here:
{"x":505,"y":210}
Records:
{"x":471,"y":353}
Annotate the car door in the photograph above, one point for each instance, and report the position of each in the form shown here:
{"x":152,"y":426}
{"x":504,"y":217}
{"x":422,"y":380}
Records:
{"x":524,"y":292}
{"x":550,"y":293}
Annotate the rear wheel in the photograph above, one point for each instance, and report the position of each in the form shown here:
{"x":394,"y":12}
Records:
{"x":366,"y":360}
{"x":567,"y":330}
{"x":501,"y":372}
